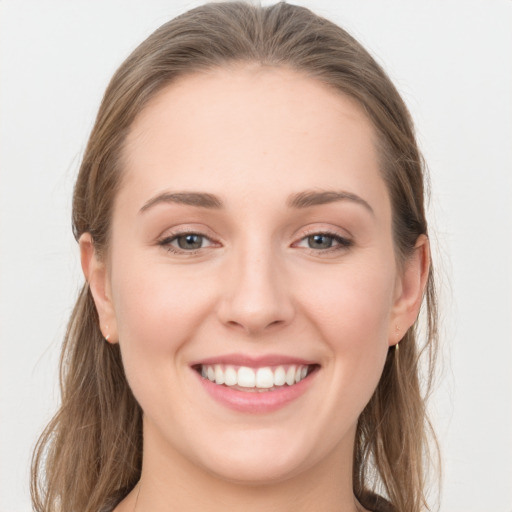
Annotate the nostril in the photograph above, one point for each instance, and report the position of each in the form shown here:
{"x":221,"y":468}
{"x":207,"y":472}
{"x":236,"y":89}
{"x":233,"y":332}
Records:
{"x":255,"y":325}
{"x":256,"y":302}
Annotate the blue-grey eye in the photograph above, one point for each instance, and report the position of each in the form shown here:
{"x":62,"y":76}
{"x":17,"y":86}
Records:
{"x":320,"y":241}
{"x":190,"y":241}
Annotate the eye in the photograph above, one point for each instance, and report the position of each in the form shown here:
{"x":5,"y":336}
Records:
{"x":320,"y":241}
{"x":189,"y":241}
{"x":324,"y":242}
{"x":185,"y":242}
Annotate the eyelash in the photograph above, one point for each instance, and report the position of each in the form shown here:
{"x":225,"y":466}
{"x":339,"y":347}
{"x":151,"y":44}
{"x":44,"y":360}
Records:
{"x":342,"y":243}
{"x":167,"y":241}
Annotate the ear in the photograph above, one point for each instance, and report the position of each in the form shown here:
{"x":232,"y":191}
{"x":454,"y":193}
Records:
{"x":95,"y":272}
{"x":409,"y":290}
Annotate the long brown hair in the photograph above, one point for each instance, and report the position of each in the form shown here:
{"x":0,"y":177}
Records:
{"x":90,"y":455}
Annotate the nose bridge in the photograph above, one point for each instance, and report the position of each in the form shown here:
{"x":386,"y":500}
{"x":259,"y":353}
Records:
{"x":257,"y":296}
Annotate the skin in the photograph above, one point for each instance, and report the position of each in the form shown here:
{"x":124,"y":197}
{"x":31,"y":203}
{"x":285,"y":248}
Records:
{"x":253,"y":137}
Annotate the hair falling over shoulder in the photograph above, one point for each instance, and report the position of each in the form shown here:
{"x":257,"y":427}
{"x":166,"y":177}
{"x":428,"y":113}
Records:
{"x":91,"y":451}
{"x":89,"y":456}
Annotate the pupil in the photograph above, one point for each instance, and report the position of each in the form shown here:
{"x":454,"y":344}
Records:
{"x":190,"y":241}
{"x":320,"y":241}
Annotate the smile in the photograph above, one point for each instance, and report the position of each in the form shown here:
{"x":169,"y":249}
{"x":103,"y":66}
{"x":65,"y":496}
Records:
{"x":255,"y":386}
{"x":262,"y":379}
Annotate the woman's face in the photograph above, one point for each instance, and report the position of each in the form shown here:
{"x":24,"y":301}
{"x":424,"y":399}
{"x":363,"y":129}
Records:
{"x":251,"y":243}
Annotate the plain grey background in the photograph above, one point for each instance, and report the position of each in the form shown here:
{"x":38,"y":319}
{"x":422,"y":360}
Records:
{"x":452,"y":62}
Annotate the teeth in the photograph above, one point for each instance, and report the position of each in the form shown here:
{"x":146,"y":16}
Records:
{"x":261,"y":378}
{"x":290,"y":376}
{"x":219,"y":374}
{"x":230,"y":376}
{"x":264,"y":378}
{"x":279,"y":376}
{"x":246,"y":377}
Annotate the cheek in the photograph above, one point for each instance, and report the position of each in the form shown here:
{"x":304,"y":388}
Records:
{"x":157,"y":309}
{"x":353,"y":309}
{"x":352,"y":314}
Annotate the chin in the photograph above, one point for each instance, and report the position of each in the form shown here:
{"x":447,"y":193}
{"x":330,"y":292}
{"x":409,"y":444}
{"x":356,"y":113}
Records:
{"x":258,"y":459}
{"x":256,"y":471}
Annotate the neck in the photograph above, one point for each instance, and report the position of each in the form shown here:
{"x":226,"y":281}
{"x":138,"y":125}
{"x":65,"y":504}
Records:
{"x":172,"y":481}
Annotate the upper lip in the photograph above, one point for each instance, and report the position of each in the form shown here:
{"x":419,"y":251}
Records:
{"x":253,"y":361}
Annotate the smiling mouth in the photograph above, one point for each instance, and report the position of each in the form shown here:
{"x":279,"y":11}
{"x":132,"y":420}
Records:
{"x":264,"y":379}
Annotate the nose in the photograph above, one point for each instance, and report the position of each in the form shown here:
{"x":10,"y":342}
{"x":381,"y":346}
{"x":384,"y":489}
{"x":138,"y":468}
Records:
{"x":257,"y":297}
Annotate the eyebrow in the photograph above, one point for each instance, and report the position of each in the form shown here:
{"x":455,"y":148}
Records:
{"x":310,"y":198}
{"x":300,"y":200}
{"x":201,"y":199}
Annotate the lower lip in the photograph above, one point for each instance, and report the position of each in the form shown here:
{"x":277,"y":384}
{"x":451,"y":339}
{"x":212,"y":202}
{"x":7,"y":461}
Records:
{"x":253,"y":401}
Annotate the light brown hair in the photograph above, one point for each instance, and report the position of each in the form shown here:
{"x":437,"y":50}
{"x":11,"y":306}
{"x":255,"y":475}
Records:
{"x":89,"y":456}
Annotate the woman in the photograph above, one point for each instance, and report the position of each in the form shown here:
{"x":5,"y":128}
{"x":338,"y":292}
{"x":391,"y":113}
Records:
{"x":252,"y":232}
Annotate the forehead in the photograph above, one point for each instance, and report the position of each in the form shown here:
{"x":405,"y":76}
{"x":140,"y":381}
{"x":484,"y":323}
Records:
{"x":251,"y":128}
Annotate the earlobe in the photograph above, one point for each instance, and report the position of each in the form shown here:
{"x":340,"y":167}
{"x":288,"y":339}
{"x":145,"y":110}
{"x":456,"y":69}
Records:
{"x":410,"y":290}
{"x":95,"y":272}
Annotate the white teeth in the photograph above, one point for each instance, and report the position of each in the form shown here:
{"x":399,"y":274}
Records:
{"x":290,"y":376}
{"x":279,"y":376}
{"x":262,"y":378}
{"x":246,"y":377}
{"x":230,"y":376}
{"x":219,"y":374}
